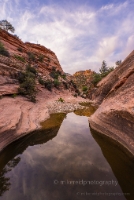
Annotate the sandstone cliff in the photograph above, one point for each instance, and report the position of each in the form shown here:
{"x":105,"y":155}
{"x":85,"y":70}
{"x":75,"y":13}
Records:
{"x":20,"y":55}
{"x":115,"y":115}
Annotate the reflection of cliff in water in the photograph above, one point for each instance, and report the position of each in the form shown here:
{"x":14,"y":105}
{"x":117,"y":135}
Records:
{"x":120,"y":161}
{"x":8,"y":157}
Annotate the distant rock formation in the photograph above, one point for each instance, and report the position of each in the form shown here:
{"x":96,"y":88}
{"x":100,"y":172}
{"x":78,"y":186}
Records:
{"x":83,"y":79}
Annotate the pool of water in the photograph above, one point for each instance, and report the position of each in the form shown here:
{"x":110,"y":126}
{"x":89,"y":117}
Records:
{"x":66,"y":161}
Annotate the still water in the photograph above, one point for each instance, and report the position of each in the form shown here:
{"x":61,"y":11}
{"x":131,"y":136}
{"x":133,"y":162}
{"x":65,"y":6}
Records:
{"x":66,"y":161}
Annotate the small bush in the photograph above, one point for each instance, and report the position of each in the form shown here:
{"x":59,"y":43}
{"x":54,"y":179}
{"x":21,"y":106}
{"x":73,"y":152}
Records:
{"x":41,"y":81}
{"x":14,"y":95}
{"x":63,"y":76}
{"x":56,"y":83}
{"x":31,"y":69}
{"x":84,"y":89}
{"x":61,"y":100}
{"x":58,"y":72}
{"x":41,"y":58}
{"x":20,"y":58}
{"x":27,"y":84}
{"x":31,"y":56}
{"x":48,"y":85}
{"x":96,"y":78}
{"x":23,"y":75}
{"x":3,"y":51}
{"x":55,"y":74}
{"x":73,"y":84}
{"x":27,"y":88}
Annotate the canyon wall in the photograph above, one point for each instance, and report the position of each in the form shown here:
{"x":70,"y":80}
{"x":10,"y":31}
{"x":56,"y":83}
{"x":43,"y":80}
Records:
{"x":20,"y":55}
{"x":115,"y":96}
{"x":19,"y":116}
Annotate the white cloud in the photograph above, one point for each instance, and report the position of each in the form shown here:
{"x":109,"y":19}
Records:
{"x":81,"y":39}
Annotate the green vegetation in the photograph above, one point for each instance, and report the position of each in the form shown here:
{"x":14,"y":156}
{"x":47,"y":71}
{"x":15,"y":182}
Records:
{"x":104,"y":71}
{"x":56,"y":83}
{"x":31,"y":69}
{"x":54,"y":74}
{"x":118,"y":62}
{"x":22,"y":59}
{"x":73,"y":84}
{"x":27,"y":84}
{"x":63,"y":76}
{"x":3,"y":51}
{"x":14,"y":95}
{"x":104,"y":67}
{"x":41,"y":81}
{"x":31,"y":56}
{"x":96,"y":78}
{"x":41,"y":58}
{"x":61,"y":100}
{"x":85,"y":88}
{"x":48,"y":84}
{"x":5,"y":25}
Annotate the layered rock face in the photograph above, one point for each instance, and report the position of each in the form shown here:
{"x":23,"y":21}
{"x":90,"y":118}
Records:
{"x":22,"y":54}
{"x":115,"y":115}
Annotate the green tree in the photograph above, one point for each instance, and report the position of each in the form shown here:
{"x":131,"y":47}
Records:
{"x":7,"y":26}
{"x":118,"y":62}
{"x":103,"y":68}
{"x":96,"y":78}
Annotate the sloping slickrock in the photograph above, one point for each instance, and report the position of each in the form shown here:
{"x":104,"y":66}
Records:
{"x":18,"y":118}
{"x":115,"y":115}
{"x":8,"y":85}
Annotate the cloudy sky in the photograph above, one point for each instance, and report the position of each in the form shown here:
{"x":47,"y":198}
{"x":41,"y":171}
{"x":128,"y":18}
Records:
{"x":82,"y":33}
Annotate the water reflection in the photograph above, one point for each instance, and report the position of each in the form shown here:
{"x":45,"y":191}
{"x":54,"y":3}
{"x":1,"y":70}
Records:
{"x":46,"y":162}
{"x":121,"y":162}
{"x":8,"y":159}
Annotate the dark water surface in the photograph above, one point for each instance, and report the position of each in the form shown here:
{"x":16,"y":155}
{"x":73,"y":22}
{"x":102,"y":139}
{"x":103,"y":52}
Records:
{"x":66,"y":161}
